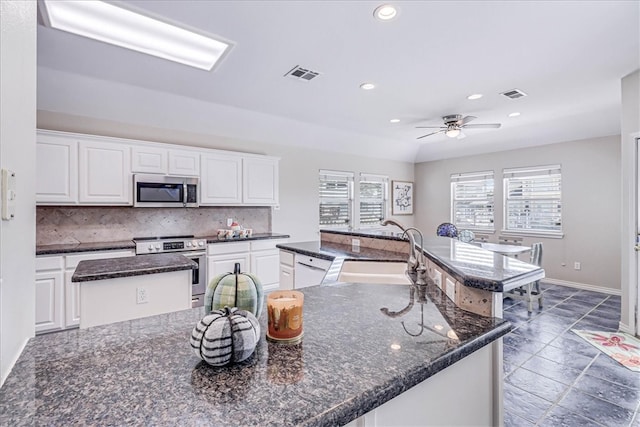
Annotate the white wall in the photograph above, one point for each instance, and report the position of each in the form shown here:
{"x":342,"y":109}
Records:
{"x":298,"y":213}
{"x":590,"y":196}
{"x":17,"y":153}
{"x":630,"y":128}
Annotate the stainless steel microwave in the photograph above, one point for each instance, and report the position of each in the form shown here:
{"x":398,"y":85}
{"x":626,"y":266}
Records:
{"x":160,"y":191}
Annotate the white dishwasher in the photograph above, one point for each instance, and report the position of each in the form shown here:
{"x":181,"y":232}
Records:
{"x":309,"y":271}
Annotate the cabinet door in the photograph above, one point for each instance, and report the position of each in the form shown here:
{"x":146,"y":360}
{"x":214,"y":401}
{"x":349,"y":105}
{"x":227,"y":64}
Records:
{"x":56,"y":170}
{"x":49,"y":301}
{"x":220,"y":264}
{"x":220,"y":179}
{"x":184,"y":163}
{"x":149,"y":160}
{"x":266,"y":266}
{"x":260,"y":181}
{"x":287,"y":277}
{"x":105,"y":173}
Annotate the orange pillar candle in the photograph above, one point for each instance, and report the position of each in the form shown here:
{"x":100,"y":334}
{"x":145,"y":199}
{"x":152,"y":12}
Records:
{"x":284,"y":309}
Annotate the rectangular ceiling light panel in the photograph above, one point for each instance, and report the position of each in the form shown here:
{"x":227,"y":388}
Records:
{"x":121,"y":27}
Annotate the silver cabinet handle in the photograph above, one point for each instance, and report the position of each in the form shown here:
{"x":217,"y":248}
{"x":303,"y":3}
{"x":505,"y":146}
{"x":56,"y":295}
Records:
{"x":311,"y":266}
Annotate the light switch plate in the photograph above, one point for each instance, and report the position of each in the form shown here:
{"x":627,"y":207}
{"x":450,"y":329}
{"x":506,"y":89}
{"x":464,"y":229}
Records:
{"x":8,"y":194}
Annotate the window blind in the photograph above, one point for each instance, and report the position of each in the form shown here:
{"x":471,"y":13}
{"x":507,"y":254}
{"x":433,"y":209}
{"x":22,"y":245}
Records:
{"x":472,"y":200}
{"x":373,"y":190}
{"x":335,"y":195}
{"x":533,"y":199}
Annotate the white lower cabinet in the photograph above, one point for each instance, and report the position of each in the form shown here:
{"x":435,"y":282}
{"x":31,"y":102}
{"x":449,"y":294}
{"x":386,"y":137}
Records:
{"x":57,"y":297}
{"x":49,"y":294}
{"x":258,"y":257}
{"x":287,"y":273}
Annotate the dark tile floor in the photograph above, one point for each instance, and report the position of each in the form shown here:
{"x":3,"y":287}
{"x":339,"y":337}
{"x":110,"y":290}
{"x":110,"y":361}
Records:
{"x":553,"y":377}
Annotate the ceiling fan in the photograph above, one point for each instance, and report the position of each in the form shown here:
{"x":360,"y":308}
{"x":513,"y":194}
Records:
{"x":453,"y":125}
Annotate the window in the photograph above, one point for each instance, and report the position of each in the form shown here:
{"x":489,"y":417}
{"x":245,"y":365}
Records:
{"x":533,"y":199}
{"x":472,"y":203}
{"x":336,"y":199}
{"x":373,"y":199}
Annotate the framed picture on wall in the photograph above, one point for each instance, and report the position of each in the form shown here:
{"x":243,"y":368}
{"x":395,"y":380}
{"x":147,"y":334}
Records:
{"x":401,"y":198}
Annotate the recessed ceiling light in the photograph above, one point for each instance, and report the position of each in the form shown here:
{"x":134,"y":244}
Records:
{"x":394,"y":120}
{"x":367,"y":86}
{"x":396,"y":346}
{"x":385,"y":12}
{"x":474,"y":96}
{"x":108,"y":23}
{"x":515,"y":114}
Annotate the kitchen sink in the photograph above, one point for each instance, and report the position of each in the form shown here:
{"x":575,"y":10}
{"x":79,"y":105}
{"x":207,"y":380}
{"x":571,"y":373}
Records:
{"x":385,"y":273}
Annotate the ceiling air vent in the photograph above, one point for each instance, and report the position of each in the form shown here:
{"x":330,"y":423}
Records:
{"x":514,"y":94}
{"x":301,"y":74}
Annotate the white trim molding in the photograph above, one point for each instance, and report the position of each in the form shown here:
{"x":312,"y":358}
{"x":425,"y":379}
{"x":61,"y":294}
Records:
{"x":582,"y":286}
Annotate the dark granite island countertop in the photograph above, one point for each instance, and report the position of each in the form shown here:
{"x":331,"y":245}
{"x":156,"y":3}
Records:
{"x":352,"y":359}
{"x":111,"y":268}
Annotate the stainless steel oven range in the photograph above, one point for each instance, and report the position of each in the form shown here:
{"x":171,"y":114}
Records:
{"x":189,"y":246}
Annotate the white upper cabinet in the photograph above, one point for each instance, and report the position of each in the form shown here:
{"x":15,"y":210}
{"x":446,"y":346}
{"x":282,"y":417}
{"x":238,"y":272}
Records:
{"x":220,"y":179}
{"x":145,"y":159}
{"x":105,"y":173}
{"x":184,"y":163}
{"x":260,"y":181}
{"x":56,"y":170}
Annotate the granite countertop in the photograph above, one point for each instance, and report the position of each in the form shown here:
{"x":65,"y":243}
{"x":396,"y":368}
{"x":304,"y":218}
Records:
{"x":112,"y":268}
{"x":143,"y":372}
{"x":66,"y":248}
{"x":469,"y":264}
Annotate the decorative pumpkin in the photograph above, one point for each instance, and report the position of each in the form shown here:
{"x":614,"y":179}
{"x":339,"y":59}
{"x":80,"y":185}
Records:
{"x":225,"y":336}
{"x":242,"y":290}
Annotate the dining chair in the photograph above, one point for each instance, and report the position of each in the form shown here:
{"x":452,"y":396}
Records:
{"x":446,"y":229}
{"x":531,"y":291}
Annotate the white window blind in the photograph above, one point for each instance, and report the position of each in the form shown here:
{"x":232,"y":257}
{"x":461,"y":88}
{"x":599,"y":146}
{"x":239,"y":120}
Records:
{"x":373,"y":191}
{"x":336,"y":198}
{"x":472,"y":200}
{"x":533,"y":199}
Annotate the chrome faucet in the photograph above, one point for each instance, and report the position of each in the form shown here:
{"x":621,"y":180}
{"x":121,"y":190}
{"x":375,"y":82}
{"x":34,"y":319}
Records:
{"x":416,"y":261}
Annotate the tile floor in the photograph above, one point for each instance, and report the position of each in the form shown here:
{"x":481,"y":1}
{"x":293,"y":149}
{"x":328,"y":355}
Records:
{"x":553,"y":377}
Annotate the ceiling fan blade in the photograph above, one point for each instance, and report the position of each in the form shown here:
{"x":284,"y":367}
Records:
{"x":466,"y":120}
{"x":431,"y":127}
{"x":484,"y":126}
{"x":429,"y":134}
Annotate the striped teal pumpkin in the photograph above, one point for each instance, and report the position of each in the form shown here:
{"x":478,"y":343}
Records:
{"x":242,"y":290}
{"x":225,"y":336}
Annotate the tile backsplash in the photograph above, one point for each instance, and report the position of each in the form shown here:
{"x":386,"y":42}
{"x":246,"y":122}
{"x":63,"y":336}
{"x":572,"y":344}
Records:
{"x":62,"y":224}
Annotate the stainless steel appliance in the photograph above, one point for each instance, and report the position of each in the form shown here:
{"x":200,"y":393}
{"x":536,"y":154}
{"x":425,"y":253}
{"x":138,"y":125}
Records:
{"x":160,"y":191}
{"x":192,"y":248}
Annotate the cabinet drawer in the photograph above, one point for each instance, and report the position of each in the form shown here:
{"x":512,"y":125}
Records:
{"x":49,"y":263}
{"x":73,"y":260}
{"x":286,"y":258}
{"x":261,"y":245}
{"x":227,"y":248}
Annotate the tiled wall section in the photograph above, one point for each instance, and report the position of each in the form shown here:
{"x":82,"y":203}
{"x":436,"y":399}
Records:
{"x":61,"y":225}
{"x":367,"y":242}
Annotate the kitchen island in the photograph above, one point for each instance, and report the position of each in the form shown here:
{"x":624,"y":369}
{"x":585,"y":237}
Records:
{"x":360,"y":353}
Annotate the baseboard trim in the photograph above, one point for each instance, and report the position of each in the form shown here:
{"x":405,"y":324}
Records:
{"x":623,"y":327}
{"x":583,"y":286}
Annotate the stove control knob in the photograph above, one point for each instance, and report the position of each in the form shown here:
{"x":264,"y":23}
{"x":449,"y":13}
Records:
{"x":157,"y":246}
{"x":194,"y":244}
{"x":151,"y":247}
{"x":188,"y":244}
{"x":200,"y":243}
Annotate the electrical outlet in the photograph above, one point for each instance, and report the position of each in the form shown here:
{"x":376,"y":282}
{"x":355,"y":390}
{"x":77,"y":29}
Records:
{"x":142,"y":295}
{"x":355,"y":245}
{"x":576,"y":265}
{"x":229,"y":222}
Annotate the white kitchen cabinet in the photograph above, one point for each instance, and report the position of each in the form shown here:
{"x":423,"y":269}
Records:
{"x":220,"y":179}
{"x":265,"y":262}
{"x":148,"y":159}
{"x":184,"y":163}
{"x":260,"y":181}
{"x":105,"y":173}
{"x":287,"y":273}
{"x":56,"y":170}
{"x":222,"y":257}
{"x":49,"y":294}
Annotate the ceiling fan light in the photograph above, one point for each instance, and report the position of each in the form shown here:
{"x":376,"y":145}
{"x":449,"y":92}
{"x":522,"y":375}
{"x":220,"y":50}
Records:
{"x":452,"y":133}
{"x":385,"y":12}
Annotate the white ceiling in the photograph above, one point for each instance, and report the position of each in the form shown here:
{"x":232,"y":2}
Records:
{"x":568,"y":56}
